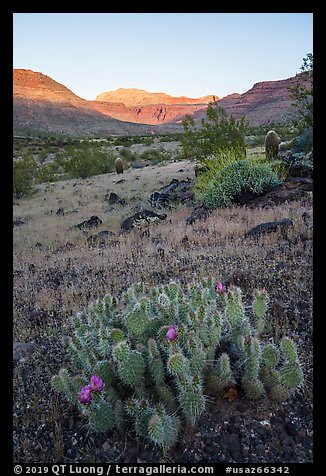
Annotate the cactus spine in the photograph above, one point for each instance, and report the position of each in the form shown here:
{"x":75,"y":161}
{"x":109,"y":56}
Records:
{"x":260,"y":307}
{"x":163,"y":429}
{"x":235,"y":312}
{"x":223,"y":369}
{"x":289,"y":376}
{"x":251,"y":383}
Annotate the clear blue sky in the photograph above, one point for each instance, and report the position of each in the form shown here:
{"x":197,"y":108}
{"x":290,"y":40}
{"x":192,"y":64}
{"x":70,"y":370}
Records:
{"x":191,"y":54}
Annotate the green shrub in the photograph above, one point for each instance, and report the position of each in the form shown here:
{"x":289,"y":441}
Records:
{"x":171,"y":137}
{"x":301,"y":158}
{"x":217,"y":131}
{"x":223,"y":156}
{"x":255,"y":135}
{"x":87,"y":162}
{"x":80,"y":165}
{"x":226,"y":177}
{"x":127,"y":141}
{"x":154,"y":353}
{"x":49,"y":172}
{"x":24,"y":172}
{"x":302,"y":95}
{"x":156,"y":156}
{"x":127,"y":154}
{"x":304,"y":142}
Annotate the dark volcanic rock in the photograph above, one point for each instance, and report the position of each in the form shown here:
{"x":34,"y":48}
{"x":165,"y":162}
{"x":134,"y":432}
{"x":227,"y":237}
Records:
{"x":231,"y":443}
{"x":176,"y":186}
{"x":143,"y":217}
{"x":245,"y":197}
{"x":22,"y":350}
{"x":60,"y":212}
{"x":159,"y":200}
{"x":100,"y":239}
{"x":38,"y":316}
{"x":93,"y":222}
{"x":66,"y":247}
{"x":291,"y":189}
{"x":301,"y":170}
{"x":18,"y":223}
{"x":267,"y":227}
{"x":176,"y":190}
{"x":186,"y":195}
{"x":114,"y":199}
{"x":199,"y":213}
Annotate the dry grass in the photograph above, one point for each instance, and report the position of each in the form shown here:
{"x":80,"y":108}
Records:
{"x":53,"y":280}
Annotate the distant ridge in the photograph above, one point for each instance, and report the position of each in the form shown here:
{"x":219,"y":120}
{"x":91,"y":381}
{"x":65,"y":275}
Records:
{"x":41,"y":104}
{"x":266,"y":102}
{"x":140,"y":97}
{"x":44,"y":105}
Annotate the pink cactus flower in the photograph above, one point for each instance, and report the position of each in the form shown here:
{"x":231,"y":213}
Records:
{"x":96,"y":383}
{"x":171,"y":333}
{"x":220,"y":288}
{"x":85,"y":395}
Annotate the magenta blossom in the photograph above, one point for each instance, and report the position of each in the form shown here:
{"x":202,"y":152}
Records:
{"x":220,"y":288}
{"x":85,"y":395}
{"x":96,"y":383}
{"x":171,"y":333}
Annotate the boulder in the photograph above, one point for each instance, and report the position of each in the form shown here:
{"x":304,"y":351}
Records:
{"x":291,"y":189}
{"x":159,"y":200}
{"x":244,"y":197}
{"x":175,"y":191}
{"x":21,"y":350}
{"x":301,"y":171}
{"x":177,"y":186}
{"x":17,"y":223}
{"x":93,"y":222}
{"x":199,"y":213}
{"x":114,"y":199}
{"x":270,"y":226}
{"x":186,"y":195}
{"x":60,"y":212}
{"x":231,"y":444}
{"x":285,"y":145}
{"x":100,"y":239}
{"x":143,"y":217}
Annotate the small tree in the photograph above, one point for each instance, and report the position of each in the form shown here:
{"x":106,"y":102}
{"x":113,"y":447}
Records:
{"x":88,"y":162}
{"x":24,"y":172}
{"x":302,"y":95}
{"x":218,"y":131}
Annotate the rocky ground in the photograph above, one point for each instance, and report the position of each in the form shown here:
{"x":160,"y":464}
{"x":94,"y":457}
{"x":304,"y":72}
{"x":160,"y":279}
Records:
{"x":57,"y":270}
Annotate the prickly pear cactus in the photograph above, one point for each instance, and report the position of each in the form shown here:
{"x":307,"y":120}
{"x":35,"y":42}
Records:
{"x":260,"y":307}
{"x":151,"y":358}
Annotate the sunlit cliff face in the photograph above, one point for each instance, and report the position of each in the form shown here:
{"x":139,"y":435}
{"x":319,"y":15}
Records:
{"x":41,"y":103}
